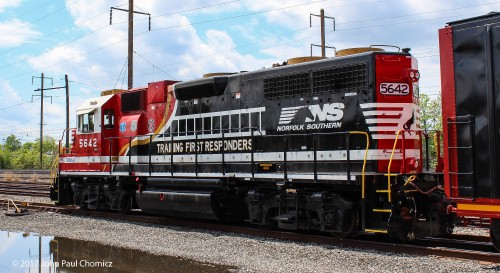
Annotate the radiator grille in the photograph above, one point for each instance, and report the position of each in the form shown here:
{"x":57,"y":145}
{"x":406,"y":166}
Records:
{"x":340,"y":78}
{"x":291,"y":85}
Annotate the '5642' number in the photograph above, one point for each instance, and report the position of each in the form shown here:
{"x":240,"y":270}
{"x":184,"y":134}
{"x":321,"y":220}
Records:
{"x":395,"y":89}
{"x":84,"y":143}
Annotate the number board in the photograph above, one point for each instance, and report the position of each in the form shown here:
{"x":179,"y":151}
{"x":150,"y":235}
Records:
{"x":394,"y":89}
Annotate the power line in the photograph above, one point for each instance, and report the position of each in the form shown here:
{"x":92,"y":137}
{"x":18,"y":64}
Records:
{"x":83,"y":36}
{"x":416,"y":14}
{"x":109,"y":45}
{"x":143,"y":33}
{"x":154,"y":65}
{"x":15,"y":105}
{"x":51,"y":34}
{"x":39,"y":19}
{"x":34,"y":9}
{"x":237,"y":16}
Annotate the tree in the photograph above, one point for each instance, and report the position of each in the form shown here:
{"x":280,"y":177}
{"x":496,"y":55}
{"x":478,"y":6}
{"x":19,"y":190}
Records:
{"x":432,"y":125}
{"x":430,"y":113}
{"x":28,"y":155}
{"x":12,"y":143}
{"x":5,"y":158}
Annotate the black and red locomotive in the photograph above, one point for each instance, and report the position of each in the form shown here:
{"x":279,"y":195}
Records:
{"x":332,"y":144}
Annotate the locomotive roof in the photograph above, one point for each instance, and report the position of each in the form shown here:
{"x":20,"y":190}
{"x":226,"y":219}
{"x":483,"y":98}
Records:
{"x":317,"y":63}
{"x":92,"y":104}
{"x":212,"y":86}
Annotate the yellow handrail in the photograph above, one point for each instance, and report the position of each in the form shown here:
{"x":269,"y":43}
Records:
{"x":389,"y":166}
{"x":409,"y":180}
{"x":364,"y":159}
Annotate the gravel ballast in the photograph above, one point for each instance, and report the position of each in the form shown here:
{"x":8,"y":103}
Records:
{"x":246,"y":253}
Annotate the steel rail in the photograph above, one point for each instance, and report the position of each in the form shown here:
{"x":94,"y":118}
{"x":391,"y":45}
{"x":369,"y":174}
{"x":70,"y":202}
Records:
{"x":422,"y":247}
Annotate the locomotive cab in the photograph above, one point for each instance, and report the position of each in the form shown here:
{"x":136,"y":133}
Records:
{"x":95,"y":117}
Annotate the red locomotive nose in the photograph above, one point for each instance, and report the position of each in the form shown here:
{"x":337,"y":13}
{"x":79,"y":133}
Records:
{"x":162,"y":196}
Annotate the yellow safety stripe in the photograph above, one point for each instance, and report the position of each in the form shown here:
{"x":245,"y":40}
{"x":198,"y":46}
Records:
{"x":382,"y":210}
{"x":376,"y":230}
{"x":493,"y":208}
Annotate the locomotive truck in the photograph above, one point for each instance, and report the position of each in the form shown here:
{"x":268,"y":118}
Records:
{"x":326,"y":144}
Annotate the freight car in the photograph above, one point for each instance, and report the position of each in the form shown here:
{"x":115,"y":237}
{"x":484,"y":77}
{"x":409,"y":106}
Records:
{"x":333,"y":145}
{"x":470,"y":67}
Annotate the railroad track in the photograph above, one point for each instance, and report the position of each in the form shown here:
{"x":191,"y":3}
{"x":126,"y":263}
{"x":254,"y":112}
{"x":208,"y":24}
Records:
{"x":25,"y":188}
{"x":457,"y":246}
{"x":25,"y":172}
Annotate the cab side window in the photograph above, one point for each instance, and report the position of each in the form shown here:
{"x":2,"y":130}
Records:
{"x":86,"y":122}
{"x":109,"y":118}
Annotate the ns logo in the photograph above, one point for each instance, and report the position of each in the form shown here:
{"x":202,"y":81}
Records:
{"x":316,"y":113}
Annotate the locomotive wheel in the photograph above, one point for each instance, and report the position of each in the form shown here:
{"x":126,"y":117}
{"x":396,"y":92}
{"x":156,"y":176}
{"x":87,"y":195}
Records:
{"x":349,"y":226}
{"x":495,"y":233}
{"x":126,"y":204}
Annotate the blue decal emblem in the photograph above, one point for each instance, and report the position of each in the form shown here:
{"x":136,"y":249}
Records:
{"x":123,"y":127}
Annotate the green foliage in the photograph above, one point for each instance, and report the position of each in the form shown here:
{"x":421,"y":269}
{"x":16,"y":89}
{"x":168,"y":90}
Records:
{"x":430,"y":113}
{"x":14,"y":155}
{"x":431,"y":122}
{"x":12,"y":143}
{"x":5,"y":158}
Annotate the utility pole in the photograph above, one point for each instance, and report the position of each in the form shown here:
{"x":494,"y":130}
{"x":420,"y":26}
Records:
{"x":41,"y":89}
{"x":41,"y":125}
{"x":66,"y":85}
{"x":130,"y":37}
{"x":130,"y":69}
{"x":322,"y":20}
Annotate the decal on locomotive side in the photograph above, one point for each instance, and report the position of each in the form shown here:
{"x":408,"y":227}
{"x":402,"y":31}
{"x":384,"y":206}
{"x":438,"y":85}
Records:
{"x":329,"y":117}
{"x":123,"y":127}
{"x":151,"y":125}
{"x":133,"y":126}
{"x":206,"y":146}
{"x":385,"y":119}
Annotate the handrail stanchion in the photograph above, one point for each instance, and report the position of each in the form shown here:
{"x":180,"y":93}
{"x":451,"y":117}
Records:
{"x":315,"y":166}
{"x":223,"y":153}
{"x":420,"y":169}
{"x":285,"y":164}
{"x":403,"y":150}
{"x":348,"y":151}
{"x":130,"y":156}
{"x":149,"y":151}
{"x":427,"y":159}
{"x":196,"y":153}
{"x":363,"y":182}
{"x":252,"y":158}
{"x":110,"y":153}
{"x":389,"y":166}
{"x":171,"y":153}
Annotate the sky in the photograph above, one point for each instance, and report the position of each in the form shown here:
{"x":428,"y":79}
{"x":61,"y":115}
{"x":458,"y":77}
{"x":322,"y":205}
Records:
{"x":187,"y":39}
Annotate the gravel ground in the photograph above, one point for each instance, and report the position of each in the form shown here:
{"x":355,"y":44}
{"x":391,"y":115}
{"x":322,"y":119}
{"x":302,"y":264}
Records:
{"x":247,"y":253}
{"x":472,"y":231}
{"x":32,"y":199}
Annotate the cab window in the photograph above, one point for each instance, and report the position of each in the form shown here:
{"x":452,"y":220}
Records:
{"x":86,"y":122}
{"x":109,"y":118}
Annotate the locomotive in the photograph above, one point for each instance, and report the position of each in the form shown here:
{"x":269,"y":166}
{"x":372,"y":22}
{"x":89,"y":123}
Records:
{"x":326,"y":144}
